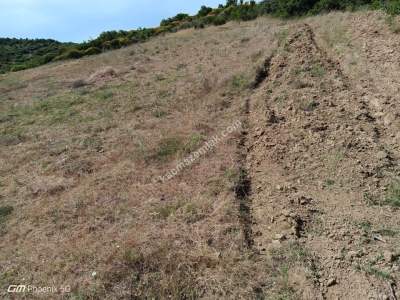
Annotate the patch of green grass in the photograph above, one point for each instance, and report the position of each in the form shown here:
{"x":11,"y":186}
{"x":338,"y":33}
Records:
{"x":329,"y":182}
{"x":159,"y":113}
{"x":366,"y":226}
{"x":104,"y":94}
{"x":131,"y":257}
{"x":374,"y":271}
{"x":53,"y":110}
{"x":283,"y":260}
{"x":393,"y":23}
{"x":167,"y":210}
{"x":10,"y":138}
{"x":309,"y":105}
{"x":11,"y":83}
{"x":239,"y":82}
{"x":387,"y":232}
{"x":393,"y":196}
{"x":370,"y":199}
{"x":168,"y":147}
{"x":93,"y":142}
{"x":297,"y":71}
{"x":334,"y":159}
{"x":286,"y":292}
{"x":192,"y":213}
{"x":317,"y":70}
{"x":5,"y":211}
{"x":193,"y":143}
{"x":231,"y":174}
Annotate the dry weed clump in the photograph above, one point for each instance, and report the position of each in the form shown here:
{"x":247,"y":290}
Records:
{"x":155,"y":272}
{"x":102,"y":75}
{"x":79,"y":83}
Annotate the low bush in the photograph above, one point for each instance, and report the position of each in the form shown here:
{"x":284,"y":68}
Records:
{"x":70,"y":54}
{"x":393,"y":197}
{"x":92,"y":51}
{"x":4,"y":212}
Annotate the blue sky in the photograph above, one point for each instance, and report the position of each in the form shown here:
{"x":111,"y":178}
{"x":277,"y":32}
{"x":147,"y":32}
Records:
{"x":78,"y":20}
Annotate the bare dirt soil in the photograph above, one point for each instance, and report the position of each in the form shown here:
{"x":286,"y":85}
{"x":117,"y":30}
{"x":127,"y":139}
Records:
{"x":301,"y":202}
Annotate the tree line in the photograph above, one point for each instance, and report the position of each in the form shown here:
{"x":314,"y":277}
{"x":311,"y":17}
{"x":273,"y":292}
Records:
{"x":19,"y":54}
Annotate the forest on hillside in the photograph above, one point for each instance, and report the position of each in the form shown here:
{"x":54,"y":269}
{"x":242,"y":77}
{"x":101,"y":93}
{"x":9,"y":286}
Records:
{"x":19,"y":54}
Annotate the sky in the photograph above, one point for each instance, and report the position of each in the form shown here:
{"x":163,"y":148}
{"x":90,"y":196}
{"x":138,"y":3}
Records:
{"x":80,"y":20}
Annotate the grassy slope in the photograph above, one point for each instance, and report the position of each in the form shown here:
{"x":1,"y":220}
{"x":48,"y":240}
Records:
{"x":78,"y":167}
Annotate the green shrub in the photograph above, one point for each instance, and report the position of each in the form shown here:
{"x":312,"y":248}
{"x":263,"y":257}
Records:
{"x":199,"y":24}
{"x":392,"y":7}
{"x":204,"y":11}
{"x":393,"y":197}
{"x":177,"y":18}
{"x":288,"y":8}
{"x":74,"y":54}
{"x":167,"y":148}
{"x":17,"y":68}
{"x":92,"y":51}
{"x":5,"y":211}
{"x":115,"y":44}
{"x":70,"y":54}
{"x":219,"y":20}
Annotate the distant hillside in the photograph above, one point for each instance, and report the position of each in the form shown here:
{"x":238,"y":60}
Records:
{"x":17,"y":54}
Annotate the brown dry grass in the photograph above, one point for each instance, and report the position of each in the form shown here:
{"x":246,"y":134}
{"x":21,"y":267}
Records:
{"x":78,"y":167}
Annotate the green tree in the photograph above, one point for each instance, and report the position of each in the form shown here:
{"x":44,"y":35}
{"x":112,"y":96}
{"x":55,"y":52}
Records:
{"x":204,"y":11}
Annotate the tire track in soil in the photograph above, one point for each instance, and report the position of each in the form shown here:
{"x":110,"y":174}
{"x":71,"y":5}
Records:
{"x":243,"y":186}
{"x":275,"y":154}
{"x":267,"y":157}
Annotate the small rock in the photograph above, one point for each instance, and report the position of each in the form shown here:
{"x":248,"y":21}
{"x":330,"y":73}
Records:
{"x":378,"y":238}
{"x":331,"y":282}
{"x":94,"y":274}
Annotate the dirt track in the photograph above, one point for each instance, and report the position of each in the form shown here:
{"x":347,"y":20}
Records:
{"x":316,"y":154}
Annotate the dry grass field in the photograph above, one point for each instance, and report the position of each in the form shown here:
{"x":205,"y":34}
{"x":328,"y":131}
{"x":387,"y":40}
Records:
{"x":301,"y":202}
